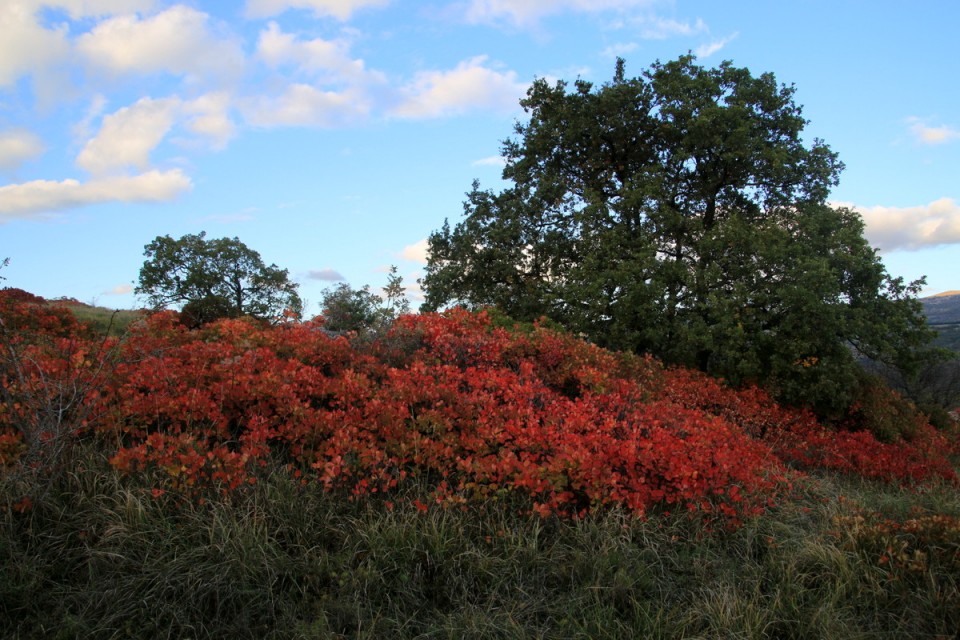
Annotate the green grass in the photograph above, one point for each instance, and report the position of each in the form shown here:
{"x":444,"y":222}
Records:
{"x":104,"y":321}
{"x":98,"y":557}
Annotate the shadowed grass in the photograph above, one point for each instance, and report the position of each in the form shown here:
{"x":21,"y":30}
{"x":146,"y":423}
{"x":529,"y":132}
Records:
{"x":98,"y":557}
{"x":102,"y":320}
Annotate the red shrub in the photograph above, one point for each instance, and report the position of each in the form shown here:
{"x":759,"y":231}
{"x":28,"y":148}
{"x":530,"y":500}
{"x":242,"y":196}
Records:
{"x":799,"y":440}
{"x":476,"y":410}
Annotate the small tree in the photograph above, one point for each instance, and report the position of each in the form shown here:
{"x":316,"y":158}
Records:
{"x":52,"y":369}
{"x":349,"y":309}
{"x":212,"y":279}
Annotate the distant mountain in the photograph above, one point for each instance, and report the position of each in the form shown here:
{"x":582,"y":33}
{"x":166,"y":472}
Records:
{"x":943,"y":314}
{"x":943,"y":308}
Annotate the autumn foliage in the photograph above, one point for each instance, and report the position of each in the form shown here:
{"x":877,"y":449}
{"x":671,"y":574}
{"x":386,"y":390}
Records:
{"x":479,"y":412}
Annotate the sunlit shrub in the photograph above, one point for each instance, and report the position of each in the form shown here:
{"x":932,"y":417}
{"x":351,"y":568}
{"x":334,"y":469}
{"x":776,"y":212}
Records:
{"x":476,"y":408}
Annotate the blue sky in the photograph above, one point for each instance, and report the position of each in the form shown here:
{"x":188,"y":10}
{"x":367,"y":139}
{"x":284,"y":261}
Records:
{"x":333,"y":136}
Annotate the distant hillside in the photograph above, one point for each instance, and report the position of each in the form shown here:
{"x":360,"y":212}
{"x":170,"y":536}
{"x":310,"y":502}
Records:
{"x":943,"y":308}
{"x":943,"y":314}
{"x":103,"y":320}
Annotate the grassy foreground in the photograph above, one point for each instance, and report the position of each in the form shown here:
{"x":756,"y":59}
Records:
{"x":99,"y":557}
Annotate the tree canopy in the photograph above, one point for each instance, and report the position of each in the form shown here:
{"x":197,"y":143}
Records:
{"x":682,"y":213}
{"x":215,"y":278}
{"x":359,"y":310}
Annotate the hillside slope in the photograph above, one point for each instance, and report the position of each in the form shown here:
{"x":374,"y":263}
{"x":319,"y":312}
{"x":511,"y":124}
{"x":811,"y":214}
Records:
{"x":943,"y":314}
{"x":943,"y":308}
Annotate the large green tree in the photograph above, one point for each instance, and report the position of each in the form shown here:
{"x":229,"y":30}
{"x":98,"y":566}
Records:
{"x":682,"y":213}
{"x":215,"y":278}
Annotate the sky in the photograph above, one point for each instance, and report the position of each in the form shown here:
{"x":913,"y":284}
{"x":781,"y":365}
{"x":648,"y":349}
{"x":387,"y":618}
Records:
{"x":333,"y":136}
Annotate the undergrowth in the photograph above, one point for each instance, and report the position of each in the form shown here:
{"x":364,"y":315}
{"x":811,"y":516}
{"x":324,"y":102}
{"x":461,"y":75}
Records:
{"x":451,"y":479}
{"x":98,"y":556}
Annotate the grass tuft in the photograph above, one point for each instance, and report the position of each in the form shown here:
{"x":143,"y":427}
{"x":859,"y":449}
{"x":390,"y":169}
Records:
{"x":99,"y":557}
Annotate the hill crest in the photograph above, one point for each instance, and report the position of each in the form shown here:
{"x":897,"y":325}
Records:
{"x":942,"y":308}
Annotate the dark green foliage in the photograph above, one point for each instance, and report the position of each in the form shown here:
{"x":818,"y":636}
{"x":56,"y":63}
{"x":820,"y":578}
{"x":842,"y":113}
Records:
{"x":197,"y":313}
{"x":360,"y":310}
{"x":349,"y":309}
{"x":888,"y":416}
{"x":681,"y":213}
{"x":948,"y":336}
{"x":934,"y":388}
{"x":215,"y":279}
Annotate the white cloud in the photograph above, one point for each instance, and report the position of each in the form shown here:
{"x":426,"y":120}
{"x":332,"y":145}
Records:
{"x":526,"y":12}
{"x":127,"y":136}
{"x":18,"y":146}
{"x":340,"y":89}
{"x":83,"y":129}
{"x":306,"y":105}
{"x":932,"y":135}
{"x":710,"y":48}
{"x":340,"y":9}
{"x":86,"y":8}
{"x":26,"y":47}
{"x":416,"y":252}
{"x":490,"y":161}
{"x":179,"y":40}
{"x":329,"y":59}
{"x":619,"y":50}
{"x":208,"y":116}
{"x":656,"y":28}
{"x":326,"y":275}
{"x":409,"y":281}
{"x":119,"y":290}
{"x":911,"y":228}
{"x":470,"y":86}
{"x":41,"y":197}
{"x":412,"y":287}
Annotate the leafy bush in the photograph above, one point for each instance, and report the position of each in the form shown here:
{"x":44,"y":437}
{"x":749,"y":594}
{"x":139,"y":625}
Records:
{"x":479,"y":412}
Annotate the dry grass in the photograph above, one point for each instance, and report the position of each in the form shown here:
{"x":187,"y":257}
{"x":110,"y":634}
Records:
{"x":98,"y":557}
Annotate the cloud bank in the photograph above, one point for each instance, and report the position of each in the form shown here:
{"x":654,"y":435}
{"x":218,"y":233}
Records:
{"x":39,"y":198}
{"x":179,"y":41}
{"x":339,"y":9}
{"x":26,"y":46}
{"x":911,"y":228}
{"x":926,"y":134}
{"x":527,"y":12}
{"x":127,"y":137}
{"x":119,"y":290}
{"x":416,"y":252}
{"x":710,"y":48}
{"x":471,"y":85}
{"x":212,"y":88}
{"x":18,"y":146}
{"x":325,"y":275}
